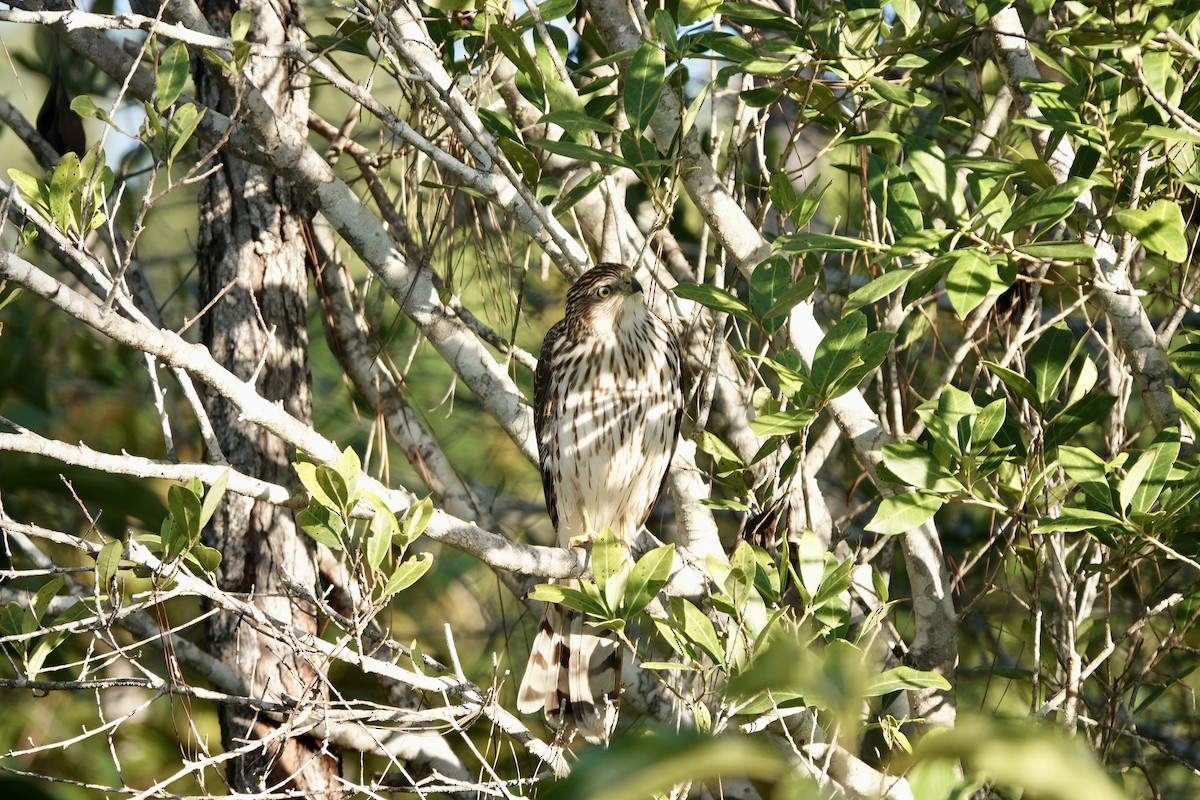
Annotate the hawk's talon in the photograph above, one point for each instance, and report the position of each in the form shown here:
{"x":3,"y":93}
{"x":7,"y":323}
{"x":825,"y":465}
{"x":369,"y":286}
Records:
{"x":582,"y":540}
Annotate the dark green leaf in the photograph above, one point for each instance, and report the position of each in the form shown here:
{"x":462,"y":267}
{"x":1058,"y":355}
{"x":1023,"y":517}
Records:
{"x":1159,"y":228}
{"x":1048,"y":206}
{"x":212,"y":498}
{"x":903,"y":513}
{"x":971,"y":278}
{"x":838,"y":351}
{"x":649,"y":576}
{"x":770,"y":280}
{"x":1015,"y":381}
{"x":1048,"y":362}
{"x":322,"y":524}
{"x":416,"y":519}
{"x":644,"y":85}
{"x":782,"y":423}
{"x":1090,"y":408}
{"x":1059,"y":251}
{"x":878,"y":289}
{"x":582,"y":152}
{"x":171,"y":76}
{"x":901,"y":678}
{"x":108,"y":561}
{"x":714,"y":298}
{"x":407,"y":574}
{"x":698,"y":628}
{"x":1151,"y":471}
{"x":1071,"y":520}
{"x":915,"y":466}
{"x":577,"y":192}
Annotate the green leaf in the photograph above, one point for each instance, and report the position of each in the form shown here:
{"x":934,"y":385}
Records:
{"x":349,"y":468}
{"x":770,"y":281}
{"x":64,"y":186}
{"x":711,"y":444}
{"x":206,"y":558}
{"x":900,"y":678}
{"x":322,"y":524}
{"x":212,"y":498}
{"x":838,"y":351}
{"x":569,"y":597}
{"x":915,"y":466}
{"x":1159,"y":228}
{"x":307,"y":474}
{"x":1088,"y":471}
{"x":608,"y":555}
{"x":1091,"y":408}
{"x":183,"y":124}
{"x":1015,"y":381}
{"x":12,"y":619}
{"x":904,"y":512}
{"x":691,"y":11}
{"x":1189,"y":412}
{"x":41,"y":603}
{"x":798,"y":206}
{"x":878,"y":289}
{"x":31,"y":188}
{"x":379,"y":539}
{"x":871,"y":353}
{"x":1151,"y":471}
{"x":782,"y":423}
{"x":108,"y":561}
{"x":644,"y":85}
{"x":698,"y":628}
{"x":576,"y":121}
{"x":759,"y":17}
{"x":1071,"y":520}
{"x":647,"y":579}
{"x":581,"y":152}
{"x":810,"y":556}
{"x":971,"y":278}
{"x":988,"y":423}
{"x":714,"y":298}
{"x":407,"y":574}
{"x":577,"y":192}
{"x":171,"y":76}
{"x":239,"y":26}
{"x":929,"y":162}
{"x":1047,"y":207}
{"x":548,"y":10}
{"x":85,"y":108}
{"x":185,"y":512}
{"x":524,"y":161}
{"x":1048,"y":362}
{"x":1059,"y":251}
{"x":416,"y":519}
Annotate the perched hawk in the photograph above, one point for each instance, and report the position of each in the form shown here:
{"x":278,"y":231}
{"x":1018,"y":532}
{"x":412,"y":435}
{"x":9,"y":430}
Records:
{"x":607,"y":402}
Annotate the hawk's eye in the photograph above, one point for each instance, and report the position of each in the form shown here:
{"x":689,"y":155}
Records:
{"x":603,"y":292}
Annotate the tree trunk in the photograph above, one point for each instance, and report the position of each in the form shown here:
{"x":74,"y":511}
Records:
{"x":252,"y":262}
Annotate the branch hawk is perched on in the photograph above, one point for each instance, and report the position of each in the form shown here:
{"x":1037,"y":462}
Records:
{"x":607,"y":402}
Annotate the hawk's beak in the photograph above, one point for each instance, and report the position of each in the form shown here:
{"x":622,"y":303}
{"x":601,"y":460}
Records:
{"x":633,"y":284}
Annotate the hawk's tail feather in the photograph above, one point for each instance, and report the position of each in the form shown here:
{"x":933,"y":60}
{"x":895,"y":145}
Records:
{"x":573,"y":675}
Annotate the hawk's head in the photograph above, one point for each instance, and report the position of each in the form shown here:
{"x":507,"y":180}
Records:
{"x":605,"y":298}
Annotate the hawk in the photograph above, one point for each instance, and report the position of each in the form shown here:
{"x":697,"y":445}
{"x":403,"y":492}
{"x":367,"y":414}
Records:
{"x":608,"y":397}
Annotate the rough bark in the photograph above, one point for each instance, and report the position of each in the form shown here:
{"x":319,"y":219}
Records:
{"x":252,"y":268}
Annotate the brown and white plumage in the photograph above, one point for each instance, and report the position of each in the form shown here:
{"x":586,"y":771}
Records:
{"x":607,"y":403}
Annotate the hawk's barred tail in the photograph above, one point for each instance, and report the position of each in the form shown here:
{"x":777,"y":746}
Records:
{"x":573,"y":675}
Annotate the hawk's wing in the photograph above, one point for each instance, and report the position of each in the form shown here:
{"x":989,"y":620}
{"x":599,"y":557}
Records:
{"x":683,"y":393}
{"x":543,"y":413}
